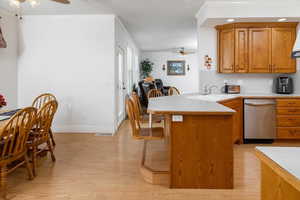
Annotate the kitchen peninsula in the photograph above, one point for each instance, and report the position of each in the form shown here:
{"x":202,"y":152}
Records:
{"x":201,"y":131}
{"x":201,"y":148}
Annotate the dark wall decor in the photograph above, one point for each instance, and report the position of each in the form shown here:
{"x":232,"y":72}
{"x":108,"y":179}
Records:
{"x":2,"y":41}
{"x":176,"y":67}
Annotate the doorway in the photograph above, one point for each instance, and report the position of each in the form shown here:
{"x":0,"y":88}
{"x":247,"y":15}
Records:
{"x":121,"y":85}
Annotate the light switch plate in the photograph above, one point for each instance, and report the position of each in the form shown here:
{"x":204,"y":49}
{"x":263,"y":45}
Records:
{"x":177,"y":118}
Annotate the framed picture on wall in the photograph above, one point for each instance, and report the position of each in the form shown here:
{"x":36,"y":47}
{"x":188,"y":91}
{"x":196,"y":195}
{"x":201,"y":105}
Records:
{"x":176,"y":67}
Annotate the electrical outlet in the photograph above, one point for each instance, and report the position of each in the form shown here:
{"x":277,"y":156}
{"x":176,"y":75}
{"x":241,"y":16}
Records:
{"x":177,"y":118}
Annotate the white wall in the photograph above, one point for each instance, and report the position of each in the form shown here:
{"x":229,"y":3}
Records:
{"x":71,"y":56}
{"x":8,"y":59}
{"x":186,"y":84}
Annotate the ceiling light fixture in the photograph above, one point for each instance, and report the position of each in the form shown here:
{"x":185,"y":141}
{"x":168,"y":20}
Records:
{"x":230,"y":20}
{"x":282,"y":19}
{"x":14,"y":3}
{"x":33,"y":3}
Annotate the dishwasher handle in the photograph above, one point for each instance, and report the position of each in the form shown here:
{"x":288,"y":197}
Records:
{"x":257,"y":104}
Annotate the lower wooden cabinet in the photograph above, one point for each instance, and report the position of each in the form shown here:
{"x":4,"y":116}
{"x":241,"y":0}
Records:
{"x":288,"y":118}
{"x":238,"y":120}
{"x":288,"y":133}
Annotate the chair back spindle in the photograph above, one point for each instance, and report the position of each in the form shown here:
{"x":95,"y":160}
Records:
{"x":15,"y":133}
{"x":154,"y":93}
{"x":173,"y":91}
{"x":44,"y":120}
{"x":134,"y":118}
{"x":41,"y":100}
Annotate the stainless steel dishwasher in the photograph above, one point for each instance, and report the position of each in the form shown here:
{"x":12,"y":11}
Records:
{"x":259,"y":120}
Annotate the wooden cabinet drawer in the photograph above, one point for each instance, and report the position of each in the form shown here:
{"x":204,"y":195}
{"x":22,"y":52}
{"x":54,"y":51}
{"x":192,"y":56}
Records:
{"x":288,"y":133}
{"x":288,"y":102}
{"x":288,"y":121}
{"x":288,"y":110}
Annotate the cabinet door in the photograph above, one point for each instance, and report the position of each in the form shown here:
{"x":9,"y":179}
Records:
{"x":283,"y":40}
{"x":226,"y":51}
{"x":241,"y":50}
{"x":259,"y":50}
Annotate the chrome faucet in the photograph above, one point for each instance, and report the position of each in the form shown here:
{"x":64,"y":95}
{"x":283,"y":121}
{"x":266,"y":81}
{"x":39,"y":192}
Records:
{"x":208,"y":89}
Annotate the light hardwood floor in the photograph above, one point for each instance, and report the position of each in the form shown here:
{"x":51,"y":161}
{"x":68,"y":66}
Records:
{"x":90,"y":167}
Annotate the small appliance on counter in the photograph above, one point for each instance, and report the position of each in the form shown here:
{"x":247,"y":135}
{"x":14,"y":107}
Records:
{"x":232,"y":89}
{"x":284,"y":85}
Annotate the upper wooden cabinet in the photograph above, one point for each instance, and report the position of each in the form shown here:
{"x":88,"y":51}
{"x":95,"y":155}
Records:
{"x":283,"y":40}
{"x":227,"y":50}
{"x":260,"y":50}
{"x":241,"y":50}
{"x":256,"y":47}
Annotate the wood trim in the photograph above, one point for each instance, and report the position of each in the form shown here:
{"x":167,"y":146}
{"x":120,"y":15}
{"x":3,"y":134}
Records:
{"x":257,"y":25}
{"x":155,"y":177}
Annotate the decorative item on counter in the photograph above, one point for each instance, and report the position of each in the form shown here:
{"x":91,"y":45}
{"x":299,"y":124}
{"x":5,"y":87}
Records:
{"x":208,"y":62}
{"x":3,"y":43}
{"x":188,"y":68}
{"x":233,"y":89}
{"x":146,"y":68}
{"x":2,"y":101}
{"x":164,"y":67}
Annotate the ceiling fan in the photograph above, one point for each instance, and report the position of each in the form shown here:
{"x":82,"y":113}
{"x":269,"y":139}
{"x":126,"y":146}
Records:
{"x":34,"y":3}
{"x":183,"y":51}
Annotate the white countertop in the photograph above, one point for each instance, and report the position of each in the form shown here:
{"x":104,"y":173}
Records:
{"x":195,"y":103}
{"x":185,"y":104}
{"x":287,"y":158}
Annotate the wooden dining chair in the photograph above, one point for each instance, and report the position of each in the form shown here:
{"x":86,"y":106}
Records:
{"x":40,"y":133}
{"x":154,"y":93}
{"x":143,"y":116}
{"x":173,"y":91}
{"x":39,"y":102}
{"x":145,"y":134}
{"x":13,"y":138}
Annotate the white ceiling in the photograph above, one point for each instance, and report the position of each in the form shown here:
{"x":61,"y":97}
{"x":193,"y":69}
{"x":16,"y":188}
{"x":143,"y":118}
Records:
{"x":154,"y":24}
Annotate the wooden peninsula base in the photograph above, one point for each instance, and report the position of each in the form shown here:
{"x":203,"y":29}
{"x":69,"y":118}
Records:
{"x":201,"y":152}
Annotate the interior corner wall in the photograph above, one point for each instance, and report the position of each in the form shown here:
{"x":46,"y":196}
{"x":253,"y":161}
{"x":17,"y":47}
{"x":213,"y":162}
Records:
{"x":71,"y":56}
{"x":8,"y":59}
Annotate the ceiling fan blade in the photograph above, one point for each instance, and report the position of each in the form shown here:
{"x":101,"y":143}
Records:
{"x":62,"y":1}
